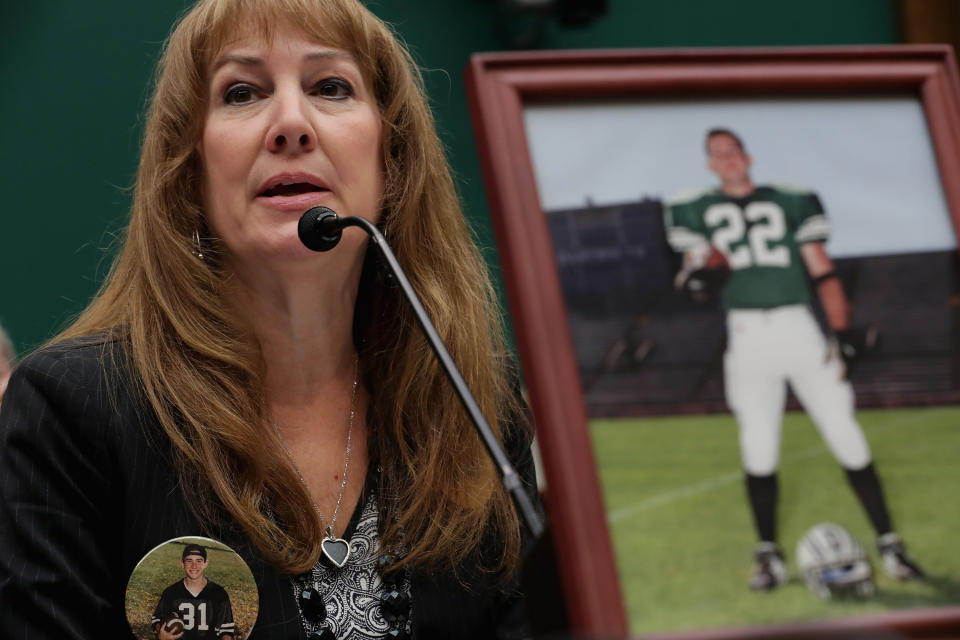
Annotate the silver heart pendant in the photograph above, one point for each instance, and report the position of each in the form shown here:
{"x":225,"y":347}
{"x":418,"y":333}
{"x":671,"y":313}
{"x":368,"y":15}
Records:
{"x":336,"y":550}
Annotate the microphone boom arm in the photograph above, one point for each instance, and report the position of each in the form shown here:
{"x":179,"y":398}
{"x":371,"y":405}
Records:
{"x":509,"y":476}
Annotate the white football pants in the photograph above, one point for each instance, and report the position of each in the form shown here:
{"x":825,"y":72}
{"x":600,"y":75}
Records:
{"x":766,"y":349}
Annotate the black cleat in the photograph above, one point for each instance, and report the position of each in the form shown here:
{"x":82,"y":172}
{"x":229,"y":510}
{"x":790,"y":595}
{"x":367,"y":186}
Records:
{"x":896,"y":562}
{"x":769,"y":570}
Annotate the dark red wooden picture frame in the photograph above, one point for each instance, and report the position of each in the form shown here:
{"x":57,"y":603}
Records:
{"x":499,"y":85}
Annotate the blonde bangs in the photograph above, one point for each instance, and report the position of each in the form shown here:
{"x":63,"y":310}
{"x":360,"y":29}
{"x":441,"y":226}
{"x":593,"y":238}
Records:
{"x":337,"y":25}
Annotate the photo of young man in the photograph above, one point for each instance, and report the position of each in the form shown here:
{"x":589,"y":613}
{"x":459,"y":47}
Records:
{"x":202,"y":606}
{"x":772,"y":241}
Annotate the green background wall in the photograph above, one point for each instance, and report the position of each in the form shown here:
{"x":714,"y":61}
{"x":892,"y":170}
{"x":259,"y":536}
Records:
{"x":75,"y":81}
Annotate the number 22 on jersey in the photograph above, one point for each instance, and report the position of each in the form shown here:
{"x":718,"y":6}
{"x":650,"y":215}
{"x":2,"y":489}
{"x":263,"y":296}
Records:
{"x":762,"y":225}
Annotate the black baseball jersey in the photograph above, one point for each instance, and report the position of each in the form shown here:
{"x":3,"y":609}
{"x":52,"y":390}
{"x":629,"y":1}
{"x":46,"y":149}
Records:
{"x":206,"y":615}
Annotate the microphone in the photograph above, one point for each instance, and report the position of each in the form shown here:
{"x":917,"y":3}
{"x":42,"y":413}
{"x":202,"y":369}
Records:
{"x":320,"y":228}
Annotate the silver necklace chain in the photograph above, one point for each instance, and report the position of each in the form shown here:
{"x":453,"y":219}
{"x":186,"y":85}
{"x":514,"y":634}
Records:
{"x":346,"y":456}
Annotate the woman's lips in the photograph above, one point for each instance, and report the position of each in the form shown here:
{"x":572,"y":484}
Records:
{"x":293,"y":200}
{"x":292,"y":190}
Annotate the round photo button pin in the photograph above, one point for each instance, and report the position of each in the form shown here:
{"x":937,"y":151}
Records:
{"x":191,"y":588}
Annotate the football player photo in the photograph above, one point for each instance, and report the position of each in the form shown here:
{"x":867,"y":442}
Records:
{"x":760,"y":245}
{"x":192,"y":588}
{"x":194,"y":608}
{"x":753,"y":327}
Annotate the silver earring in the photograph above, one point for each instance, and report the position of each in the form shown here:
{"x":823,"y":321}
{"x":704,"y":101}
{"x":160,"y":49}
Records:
{"x":197,"y":248}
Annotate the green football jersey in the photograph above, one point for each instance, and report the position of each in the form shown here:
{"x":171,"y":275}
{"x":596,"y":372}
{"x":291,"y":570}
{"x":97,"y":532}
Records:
{"x":760,"y":234}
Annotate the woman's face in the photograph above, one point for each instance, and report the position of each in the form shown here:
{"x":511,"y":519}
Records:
{"x":290,"y":125}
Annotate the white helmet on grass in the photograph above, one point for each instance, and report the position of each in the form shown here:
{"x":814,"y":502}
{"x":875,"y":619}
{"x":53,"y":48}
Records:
{"x":833,"y":563}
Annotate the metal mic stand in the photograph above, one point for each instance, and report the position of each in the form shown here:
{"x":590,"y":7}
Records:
{"x":509,"y":476}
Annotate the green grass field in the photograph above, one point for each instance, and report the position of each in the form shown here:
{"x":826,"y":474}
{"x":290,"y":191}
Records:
{"x":683,"y":535}
{"x":162,"y":568}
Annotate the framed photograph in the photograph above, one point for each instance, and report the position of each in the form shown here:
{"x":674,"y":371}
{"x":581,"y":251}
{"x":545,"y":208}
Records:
{"x":585,"y":153}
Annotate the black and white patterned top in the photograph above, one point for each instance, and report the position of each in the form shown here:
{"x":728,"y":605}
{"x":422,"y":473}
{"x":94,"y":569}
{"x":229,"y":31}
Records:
{"x":352,"y":594}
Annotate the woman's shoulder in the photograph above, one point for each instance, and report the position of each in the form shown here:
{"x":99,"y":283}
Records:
{"x":77,"y":375}
{"x":75,"y":358}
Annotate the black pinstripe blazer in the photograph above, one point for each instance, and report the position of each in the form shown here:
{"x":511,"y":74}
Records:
{"x":87,"y":490}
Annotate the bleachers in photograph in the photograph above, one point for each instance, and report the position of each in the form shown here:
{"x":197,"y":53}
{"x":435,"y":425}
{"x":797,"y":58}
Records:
{"x":642,"y":348}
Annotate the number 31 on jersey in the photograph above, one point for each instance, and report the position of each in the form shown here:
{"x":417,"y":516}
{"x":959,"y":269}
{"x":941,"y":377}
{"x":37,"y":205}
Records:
{"x":189,"y":611}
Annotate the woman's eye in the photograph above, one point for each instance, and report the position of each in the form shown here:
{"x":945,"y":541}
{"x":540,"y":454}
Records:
{"x":333,"y":89}
{"x":240,"y":94}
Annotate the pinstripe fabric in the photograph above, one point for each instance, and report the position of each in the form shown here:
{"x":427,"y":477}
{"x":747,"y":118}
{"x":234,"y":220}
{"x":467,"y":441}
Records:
{"x":87,"y":490}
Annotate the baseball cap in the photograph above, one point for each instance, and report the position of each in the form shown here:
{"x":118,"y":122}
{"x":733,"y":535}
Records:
{"x":193,"y":550}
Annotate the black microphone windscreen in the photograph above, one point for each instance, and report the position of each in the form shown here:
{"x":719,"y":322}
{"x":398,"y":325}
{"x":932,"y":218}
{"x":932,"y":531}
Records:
{"x":318,"y":230}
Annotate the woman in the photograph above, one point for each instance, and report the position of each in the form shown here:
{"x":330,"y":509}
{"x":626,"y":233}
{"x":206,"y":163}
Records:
{"x":228,"y":382}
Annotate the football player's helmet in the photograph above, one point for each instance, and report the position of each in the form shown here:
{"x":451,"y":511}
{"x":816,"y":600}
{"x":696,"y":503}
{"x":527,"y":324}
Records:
{"x":833,"y":563}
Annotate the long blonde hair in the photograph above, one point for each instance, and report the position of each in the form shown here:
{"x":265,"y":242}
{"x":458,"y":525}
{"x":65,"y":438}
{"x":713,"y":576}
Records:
{"x":201,"y":371}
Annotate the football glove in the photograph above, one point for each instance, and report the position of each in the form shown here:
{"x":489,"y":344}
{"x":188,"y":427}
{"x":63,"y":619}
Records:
{"x":850,"y":345}
{"x":704,"y":272}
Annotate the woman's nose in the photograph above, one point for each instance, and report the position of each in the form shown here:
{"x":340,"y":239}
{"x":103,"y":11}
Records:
{"x":292,"y":130}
